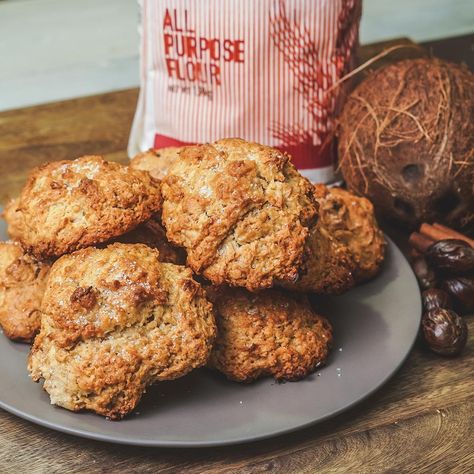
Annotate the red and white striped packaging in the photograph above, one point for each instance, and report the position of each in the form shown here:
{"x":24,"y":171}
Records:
{"x":262,"y":70}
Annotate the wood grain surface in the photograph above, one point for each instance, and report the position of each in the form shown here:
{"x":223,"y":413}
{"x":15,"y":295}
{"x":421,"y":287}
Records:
{"x":420,"y":421}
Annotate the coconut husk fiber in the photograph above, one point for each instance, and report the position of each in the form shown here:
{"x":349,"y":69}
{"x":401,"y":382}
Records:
{"x":406,"y":141}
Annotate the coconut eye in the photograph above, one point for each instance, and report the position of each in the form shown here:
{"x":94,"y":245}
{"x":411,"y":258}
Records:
{"x":412,"y":173}
{"x":404,"y":208}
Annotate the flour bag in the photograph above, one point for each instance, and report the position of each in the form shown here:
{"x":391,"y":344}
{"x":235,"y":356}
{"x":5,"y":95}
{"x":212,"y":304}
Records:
{"x":262,"y":70}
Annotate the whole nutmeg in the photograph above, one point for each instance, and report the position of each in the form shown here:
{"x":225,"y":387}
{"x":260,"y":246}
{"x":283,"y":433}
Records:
{"x":452,"y":256}
{"x":444,"y":331}
{"x":435,"y":298}
{"x":462,"y":289}
{"x":424,"y":273}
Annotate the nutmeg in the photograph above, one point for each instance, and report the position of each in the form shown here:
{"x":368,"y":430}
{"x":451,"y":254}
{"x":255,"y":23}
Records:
{"x":435,"y":298}
{"x":451,"y":256}
{"x":444,"y":331}
{"x":462,"y":289}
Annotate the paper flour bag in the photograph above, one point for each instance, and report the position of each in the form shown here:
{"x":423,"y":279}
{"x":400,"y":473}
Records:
{"x":260,"y":70}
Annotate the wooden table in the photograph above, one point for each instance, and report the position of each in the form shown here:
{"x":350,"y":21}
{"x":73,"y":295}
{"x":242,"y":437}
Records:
{"x":420,"y":421}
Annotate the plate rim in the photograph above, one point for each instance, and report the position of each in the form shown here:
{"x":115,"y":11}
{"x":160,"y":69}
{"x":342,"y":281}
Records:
{"x":229,"y":441}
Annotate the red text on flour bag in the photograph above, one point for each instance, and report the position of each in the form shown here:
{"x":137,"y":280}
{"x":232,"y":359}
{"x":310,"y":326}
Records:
{"x":203,"y":55}
{"x":265,"y":71}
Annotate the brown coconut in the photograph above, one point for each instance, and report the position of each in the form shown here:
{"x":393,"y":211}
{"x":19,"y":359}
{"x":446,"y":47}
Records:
{"x":406,"y":141}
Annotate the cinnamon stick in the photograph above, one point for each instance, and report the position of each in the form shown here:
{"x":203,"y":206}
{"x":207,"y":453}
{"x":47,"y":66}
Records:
{"x":433,"y":233}
{"x":453,"y":234}
{"x":420,"y":242}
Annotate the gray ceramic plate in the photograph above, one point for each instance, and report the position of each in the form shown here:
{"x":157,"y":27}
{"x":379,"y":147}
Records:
{"x":375,"y":326}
